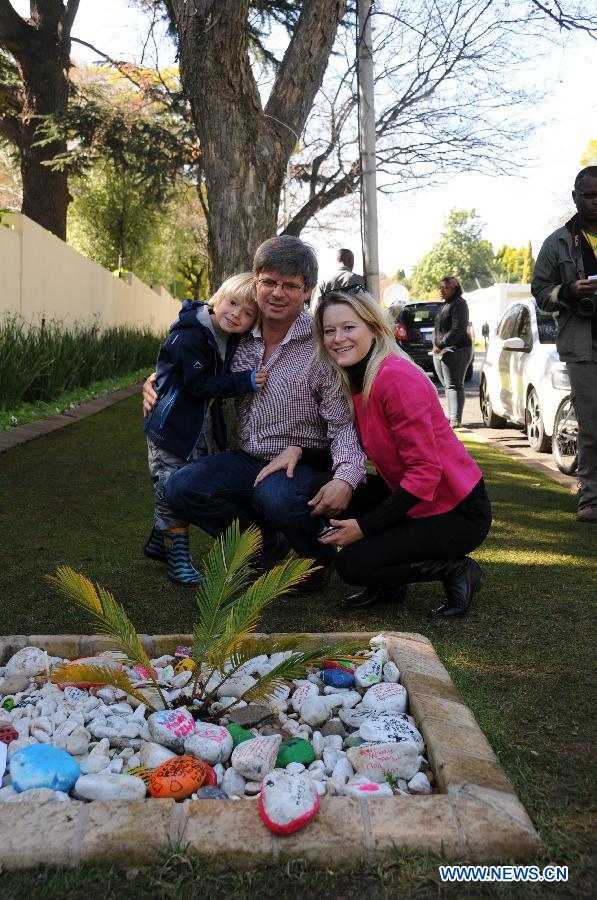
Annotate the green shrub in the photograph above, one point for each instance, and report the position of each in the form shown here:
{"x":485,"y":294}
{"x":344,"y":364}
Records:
{"x":39,"y":362}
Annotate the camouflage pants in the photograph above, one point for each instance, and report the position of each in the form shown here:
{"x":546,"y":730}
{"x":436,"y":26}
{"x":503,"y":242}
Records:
{"x":162,"y":465}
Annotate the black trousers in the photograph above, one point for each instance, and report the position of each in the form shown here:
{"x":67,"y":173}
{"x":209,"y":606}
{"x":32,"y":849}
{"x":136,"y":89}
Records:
{"x":383,"y":560}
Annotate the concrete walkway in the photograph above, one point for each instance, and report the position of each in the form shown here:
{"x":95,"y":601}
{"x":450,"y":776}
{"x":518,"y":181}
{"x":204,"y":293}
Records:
{"x":23,"y":433}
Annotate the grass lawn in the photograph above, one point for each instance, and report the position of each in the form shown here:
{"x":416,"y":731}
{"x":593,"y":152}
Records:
{"x":523,"y":658}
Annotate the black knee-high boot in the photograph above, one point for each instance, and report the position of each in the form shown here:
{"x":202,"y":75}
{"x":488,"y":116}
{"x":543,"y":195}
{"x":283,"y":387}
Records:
{"x":461,"y":579}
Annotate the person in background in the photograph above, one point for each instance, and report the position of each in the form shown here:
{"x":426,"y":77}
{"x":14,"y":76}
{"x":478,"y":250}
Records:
{"x":187,"y":420}
{"x":452,"y":346}
{"x":565,"y":283}
{"x":427,"y":508}
{"x":344,"y":277}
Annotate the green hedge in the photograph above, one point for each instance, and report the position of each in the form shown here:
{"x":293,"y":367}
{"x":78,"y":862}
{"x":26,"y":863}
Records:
{"x":39,"y":362}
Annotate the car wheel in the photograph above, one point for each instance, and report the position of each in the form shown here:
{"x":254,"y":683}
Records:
{"x":535,"y":427}
{"x":564,"y":444}
{"x":469,"y":374}
{"x":489,"y":417}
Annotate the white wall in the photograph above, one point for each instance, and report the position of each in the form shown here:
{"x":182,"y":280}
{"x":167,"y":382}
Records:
{"x":42,"y":277}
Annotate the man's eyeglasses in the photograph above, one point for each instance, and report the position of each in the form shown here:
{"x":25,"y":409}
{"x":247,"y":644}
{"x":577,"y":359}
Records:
{"x":290,"y":287}
{"x":588,"y":195}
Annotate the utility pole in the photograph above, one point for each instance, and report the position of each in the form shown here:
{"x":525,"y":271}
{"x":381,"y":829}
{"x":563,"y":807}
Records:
{"x":367,"y":147}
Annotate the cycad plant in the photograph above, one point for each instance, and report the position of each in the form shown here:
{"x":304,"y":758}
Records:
{"x":230,"y":602}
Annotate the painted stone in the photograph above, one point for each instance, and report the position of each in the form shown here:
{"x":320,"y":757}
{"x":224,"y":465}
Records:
{"x":304,"y":690}
{"x":391,"y":672}
{"x":185,"y":665}
{"x":29,"y":661}
{"x":106,"y":662}
{"x":239,"y":734}
{"x":250,"y":715}
{"x":3,"y":758}
{"x":364,"y":788}
{"x":375,"y":761}
{"x":178,"y":778}
{"x":43,"y":766}
{"x":8,"y":734}
{"x":110,"y":787}
{"x":295,"y":751}
{"x":212,"y":743}
{"x":75,"y":696}
{"x":171,"y":727}
{"x":343,"y":665}
{"x":391,"y":728}
{"x":211,"y":776}
{"x":354,"y":718}
{"x":287,"y":802}
{"x":211,"y":792}
{"x":386,"y":698}
{"x":338,"y":678}
{"x":314,"y":710}
{"x":369,"y":672}
{"x":254,"y":759}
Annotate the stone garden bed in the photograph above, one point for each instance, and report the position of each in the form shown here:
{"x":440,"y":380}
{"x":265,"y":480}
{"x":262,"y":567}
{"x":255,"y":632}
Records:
{"x":474,"y":814}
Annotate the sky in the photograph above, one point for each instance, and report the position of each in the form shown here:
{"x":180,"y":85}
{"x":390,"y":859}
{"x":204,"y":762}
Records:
{"x":527,"y":205}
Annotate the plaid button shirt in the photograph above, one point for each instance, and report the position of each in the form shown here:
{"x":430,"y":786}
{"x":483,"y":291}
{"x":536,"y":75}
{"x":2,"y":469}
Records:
{"x":300,"y":405}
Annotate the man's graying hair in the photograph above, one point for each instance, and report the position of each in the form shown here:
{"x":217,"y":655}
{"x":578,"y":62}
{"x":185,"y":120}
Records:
{"x":289,"y":256}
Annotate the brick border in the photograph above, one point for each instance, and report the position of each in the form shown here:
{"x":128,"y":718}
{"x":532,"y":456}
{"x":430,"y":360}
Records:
{"x":477,"y":816}
{"x":21,"y":434}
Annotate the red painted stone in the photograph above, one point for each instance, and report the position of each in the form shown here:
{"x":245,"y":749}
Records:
{"x":8,"y":734}
{"x":211,"y":779}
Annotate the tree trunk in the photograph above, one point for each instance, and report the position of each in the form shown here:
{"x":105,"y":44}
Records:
{"x":45,"y":191}
{"x":41,"y":49}
{"x":245,"y":148}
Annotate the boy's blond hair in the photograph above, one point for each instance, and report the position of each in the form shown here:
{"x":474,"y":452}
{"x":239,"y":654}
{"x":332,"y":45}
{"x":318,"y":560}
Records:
{"x":239,"y":286}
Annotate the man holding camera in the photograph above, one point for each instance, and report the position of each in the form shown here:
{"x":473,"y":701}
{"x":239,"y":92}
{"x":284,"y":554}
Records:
{"x":565,"y":283}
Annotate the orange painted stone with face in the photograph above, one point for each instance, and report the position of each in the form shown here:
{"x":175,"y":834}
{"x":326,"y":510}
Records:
{"x":177,"y":778}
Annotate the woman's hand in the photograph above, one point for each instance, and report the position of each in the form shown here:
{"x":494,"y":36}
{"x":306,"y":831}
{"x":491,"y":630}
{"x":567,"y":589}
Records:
{"x":348,"y":532}
{"x":150,"y":398}
{"x":287,"y":459}
{"x":260,"y":378}
{"x":437,"y":350}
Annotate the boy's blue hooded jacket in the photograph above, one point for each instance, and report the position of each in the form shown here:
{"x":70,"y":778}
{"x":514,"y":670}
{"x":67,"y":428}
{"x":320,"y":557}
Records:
{"x":190,"y":374}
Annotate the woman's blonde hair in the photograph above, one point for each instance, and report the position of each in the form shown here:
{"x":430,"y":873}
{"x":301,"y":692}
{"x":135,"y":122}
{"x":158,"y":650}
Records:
{"x":239,"y":286}
{"x":368,"y":309}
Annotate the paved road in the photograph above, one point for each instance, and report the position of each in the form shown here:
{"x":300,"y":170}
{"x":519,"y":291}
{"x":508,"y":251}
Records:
{"x":511,"y":439}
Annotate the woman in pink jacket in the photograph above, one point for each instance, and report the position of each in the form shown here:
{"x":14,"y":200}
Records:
{"x":427,"y":508}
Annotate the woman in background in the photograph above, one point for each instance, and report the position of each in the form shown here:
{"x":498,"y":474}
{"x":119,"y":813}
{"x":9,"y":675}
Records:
{"x":452,"y":346}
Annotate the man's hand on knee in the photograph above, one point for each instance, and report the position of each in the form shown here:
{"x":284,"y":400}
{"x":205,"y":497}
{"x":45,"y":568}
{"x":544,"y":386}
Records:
{"x":332,"y":498}
{"x":150,"y":398}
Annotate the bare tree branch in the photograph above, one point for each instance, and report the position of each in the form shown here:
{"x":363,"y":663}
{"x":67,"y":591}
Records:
{"x":14,"y":31}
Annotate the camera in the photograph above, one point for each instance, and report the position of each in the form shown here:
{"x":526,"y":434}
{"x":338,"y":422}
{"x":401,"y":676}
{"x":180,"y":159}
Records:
{"x":586,"y":307}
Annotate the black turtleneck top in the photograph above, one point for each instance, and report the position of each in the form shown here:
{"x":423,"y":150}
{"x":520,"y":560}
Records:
{"x":400,"y":501}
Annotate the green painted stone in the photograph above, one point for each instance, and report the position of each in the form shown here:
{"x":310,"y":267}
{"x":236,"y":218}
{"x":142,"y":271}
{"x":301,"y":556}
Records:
{"x":239,"y":734}
{"x":298,"y":750}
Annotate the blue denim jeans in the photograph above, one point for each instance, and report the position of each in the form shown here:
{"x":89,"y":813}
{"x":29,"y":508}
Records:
{"x":213,"y":491}
{"x":451,"y":371}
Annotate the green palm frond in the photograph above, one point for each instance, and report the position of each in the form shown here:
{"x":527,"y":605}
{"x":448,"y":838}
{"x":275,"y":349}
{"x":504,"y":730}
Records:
{"x":243,"y":614}
{"x":88,"y":674}
{"x":109,"y":616}
{"x":77,"y":588}
{"x":226,"y":569}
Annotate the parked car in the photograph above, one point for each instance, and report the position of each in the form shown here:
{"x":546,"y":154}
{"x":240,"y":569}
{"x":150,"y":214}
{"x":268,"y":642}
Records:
{"x":522,"y":378}
{"x":414,"y":333}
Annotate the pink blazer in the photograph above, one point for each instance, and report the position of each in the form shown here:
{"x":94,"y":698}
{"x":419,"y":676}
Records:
{"x":408,"y":438}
